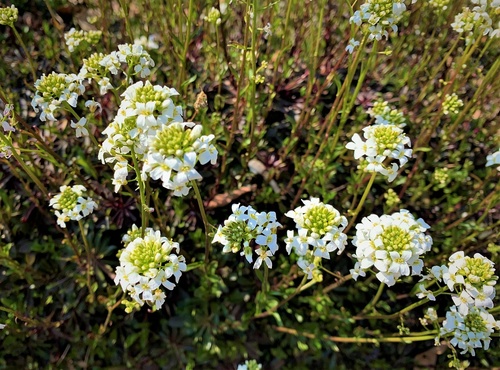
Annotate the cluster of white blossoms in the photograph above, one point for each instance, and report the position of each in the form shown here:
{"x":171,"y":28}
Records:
{"x":478,"y":20}
{"x":319,"y":233}
{"x":379,"y":16}
{"x":384,"y":139}
{"x":146,"y":264}
{"x":471,"y":330}
{"x":76,"y":40}
{"x":132,"y":59}
{"x":53,"y":90}
{"x":246,"y":226}
{"x":472,"y":281}
{"x":392,"y":244}
{"x":150,"y":127}
{"x":71,"y":204}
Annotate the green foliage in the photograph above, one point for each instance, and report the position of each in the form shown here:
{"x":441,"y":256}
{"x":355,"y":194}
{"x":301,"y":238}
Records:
{"x":283,"y":98}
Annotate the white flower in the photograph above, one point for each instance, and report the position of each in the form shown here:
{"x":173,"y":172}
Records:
{"x":81,"y":130}
{"x":352,"y":44}
{"x":263,"y":257}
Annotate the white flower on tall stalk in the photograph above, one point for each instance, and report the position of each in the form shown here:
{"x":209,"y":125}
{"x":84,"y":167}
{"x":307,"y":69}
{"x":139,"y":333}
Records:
{"x":319,"y":233}
{"x":54,"y":89}
{"x":383,"y":140}
{"x":475,"y":21}
{"x":246,"y":227}
{"x":146,"y":264}
{"x":469,"y":330}
{"x":392,"y":244}
{"x":71,"y":204}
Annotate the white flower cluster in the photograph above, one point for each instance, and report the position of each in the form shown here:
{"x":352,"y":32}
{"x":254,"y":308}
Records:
{"x":493,"y":159}
{"x":147,"y":42}
{"x":469,"y":330}
{"x":55,"y":89}
{"x":379,"y":15}
{"x":244,"y":226}
{"x":132,"y":59}
{"x":382,"y":141}
{"x":473,"y":279}
{"x":319,"y":233}
{"x":75,"y":39}
{"x":478,"y":20}
{"x":146,"y":264}
{"x":71,"y":204}
{"x":392,"y":244}
{"x":149,"y":126}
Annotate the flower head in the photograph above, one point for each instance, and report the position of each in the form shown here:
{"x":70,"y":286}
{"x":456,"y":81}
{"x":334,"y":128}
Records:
{"x":146,"y":264}
{"x":319,"y":232}
{"x":246,"y":227}
{"x":8,"y":16}
{"x":71,"y":204}
{"x":392,"y":244}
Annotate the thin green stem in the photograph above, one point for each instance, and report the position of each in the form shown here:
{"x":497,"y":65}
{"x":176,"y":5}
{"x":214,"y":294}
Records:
{"x":361,"y":202}
{"x":187,"y":40}
{"x":28,"y":56}
{"x":123,"y":5}
{"x":26,"y":169}
{"x":142,"y":194}
{"x":205,"y":220}
{"x":375,"y":299}
{"x":89,"y":259}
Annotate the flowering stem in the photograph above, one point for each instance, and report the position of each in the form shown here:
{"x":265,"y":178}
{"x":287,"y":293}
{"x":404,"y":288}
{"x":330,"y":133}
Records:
{"x":361,"y":202}
{"x":87,"y":250}
{"x":26,"y":169}
{"x":205,"y":220}
{"x":375,"y":299}
{"x":28,"y":56}
{"x":143,"y":205}
{"x":408,"y":339}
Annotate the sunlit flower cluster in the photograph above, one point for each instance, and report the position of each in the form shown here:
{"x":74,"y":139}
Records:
{"x":53,"y":90}
{"x":478,"y":20}
{"x":146,"y":264}
{"x":137,"y":60}
{"x":319,"y":233}
{"x":471,"y":278}
{"x":244,"y":227}
{"x":8,"y":16}
{"x":379,"y":16}
{"x":78,"y":40}
{"x":383,"y":141}
{"x":469,"y":330}
{"x":392,"y":244}
{"x":383,"y":114}
{"x":71,"y":204}
{"x":144,"y":109}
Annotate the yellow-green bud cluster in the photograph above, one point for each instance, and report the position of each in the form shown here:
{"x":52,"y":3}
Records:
{"x":8,"y":16}
{"x":438,"y":6}
{"x":213,"y":16}
{"x":80,"y":40}
{"x":391,"y":198}
{"x":452,"y":104}
{"x":441,"y":176}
